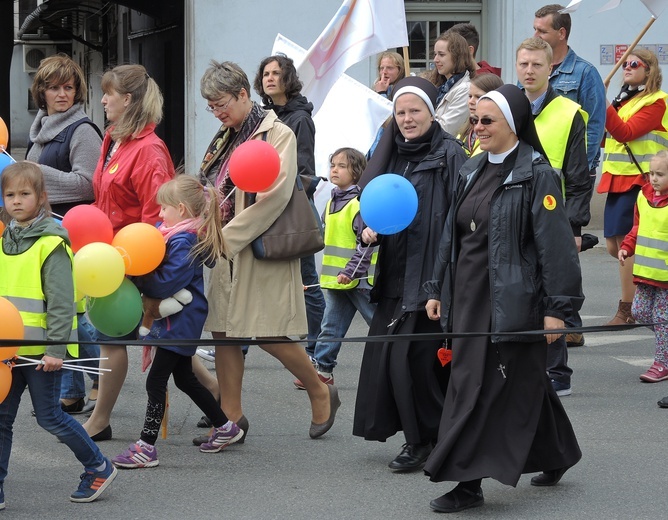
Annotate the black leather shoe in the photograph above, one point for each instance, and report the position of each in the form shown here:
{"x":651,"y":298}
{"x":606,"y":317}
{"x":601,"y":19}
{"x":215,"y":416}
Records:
{"x":457,"y":500}
{"x":412,"y":456}
{"x":204,"y":422}
{"x":75,"y":408}
{"x":104,"y":435}
{"x":548,"y":478}
{"x":663,"y":403}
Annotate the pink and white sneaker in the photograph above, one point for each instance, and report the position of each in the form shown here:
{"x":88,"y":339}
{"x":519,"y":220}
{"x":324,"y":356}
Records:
{"x":657,"y":372}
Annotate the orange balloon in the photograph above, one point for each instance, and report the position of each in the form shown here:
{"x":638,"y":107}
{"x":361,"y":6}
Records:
{"x":2,"y":227}
{"x":142,"y":247}
{"x":11,"y":323}
{"x":4,"y":134}
{"x":5,"y":381}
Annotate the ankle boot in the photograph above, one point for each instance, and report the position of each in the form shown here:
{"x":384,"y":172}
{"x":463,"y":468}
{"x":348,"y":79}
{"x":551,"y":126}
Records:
{"x":623,"y":316}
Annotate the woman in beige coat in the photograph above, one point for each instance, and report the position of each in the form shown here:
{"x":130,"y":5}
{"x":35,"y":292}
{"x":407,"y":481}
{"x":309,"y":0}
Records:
{"x":249,"y":297}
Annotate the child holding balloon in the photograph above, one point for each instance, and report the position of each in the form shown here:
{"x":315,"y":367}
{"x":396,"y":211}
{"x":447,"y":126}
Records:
{"x":36,"y":274}
{"x":347,"y":267}
{"x":192,"y":230}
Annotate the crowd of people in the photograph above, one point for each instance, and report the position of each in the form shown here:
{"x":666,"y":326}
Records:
{"x":504,"y":176}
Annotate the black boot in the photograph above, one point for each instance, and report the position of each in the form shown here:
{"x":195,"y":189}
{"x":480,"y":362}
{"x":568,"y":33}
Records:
{"x":464,"y":496}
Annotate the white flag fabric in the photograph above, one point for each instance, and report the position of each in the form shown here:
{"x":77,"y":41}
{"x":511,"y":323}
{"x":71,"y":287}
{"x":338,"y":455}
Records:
{"x":572,"y":7}
{"x":359,"y":29}
{"x":656,"y":7}
{"x":350,"y":116}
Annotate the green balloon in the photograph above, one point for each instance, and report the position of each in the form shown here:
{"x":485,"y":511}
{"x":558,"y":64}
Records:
{"x":119,"y":313}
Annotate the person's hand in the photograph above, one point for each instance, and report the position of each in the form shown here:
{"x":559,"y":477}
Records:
{"x":433,"y":309}
{"x":343,"y":279}
{"x":578,"y":243}
{"x":621,"y":256}
{"x":50,"y":364}
{"x":382,"y":84}
{"x":552,"y":323}
{"x":369,"y":236}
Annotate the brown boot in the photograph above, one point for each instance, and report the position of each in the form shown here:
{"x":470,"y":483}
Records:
{"x":623,"y":316}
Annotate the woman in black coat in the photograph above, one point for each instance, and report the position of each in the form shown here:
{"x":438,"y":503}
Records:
{"x":508,"y":264}
{"x":402,"y":383}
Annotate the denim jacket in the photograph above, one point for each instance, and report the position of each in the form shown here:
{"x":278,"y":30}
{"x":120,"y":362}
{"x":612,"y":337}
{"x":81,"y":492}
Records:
{"x":578,"y":80}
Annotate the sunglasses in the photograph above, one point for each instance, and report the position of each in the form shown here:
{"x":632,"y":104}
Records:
{"x":485,"y":121}
{"x":634,"y":64}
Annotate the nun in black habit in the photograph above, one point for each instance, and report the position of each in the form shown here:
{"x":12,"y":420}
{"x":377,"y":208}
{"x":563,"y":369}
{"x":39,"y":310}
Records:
{"x":508,"y":265}
{"x":401,"y":383}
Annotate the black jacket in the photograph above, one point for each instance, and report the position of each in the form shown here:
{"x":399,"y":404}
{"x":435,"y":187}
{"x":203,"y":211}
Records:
{"x":296,"y":114}
{"x":533,"y":264}
{"x":434,"y":180}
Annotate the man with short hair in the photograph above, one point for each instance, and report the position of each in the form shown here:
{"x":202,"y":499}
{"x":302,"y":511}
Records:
{"x":469,"y":32}
{"x":561,"y":127}
{"x":579,"y":81}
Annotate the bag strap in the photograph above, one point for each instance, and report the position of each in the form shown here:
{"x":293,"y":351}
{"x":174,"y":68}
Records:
{"x":633,"y":158}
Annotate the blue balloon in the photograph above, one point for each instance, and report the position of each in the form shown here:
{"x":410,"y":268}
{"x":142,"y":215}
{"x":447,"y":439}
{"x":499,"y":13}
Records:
{"x":388,"y":204}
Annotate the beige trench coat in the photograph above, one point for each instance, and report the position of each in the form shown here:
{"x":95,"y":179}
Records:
{"x":250,"y":297}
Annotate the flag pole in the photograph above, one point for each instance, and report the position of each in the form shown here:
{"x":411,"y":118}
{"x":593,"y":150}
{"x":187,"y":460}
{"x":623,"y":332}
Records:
{"x":606,"y":82}
{"x":407,"y":62}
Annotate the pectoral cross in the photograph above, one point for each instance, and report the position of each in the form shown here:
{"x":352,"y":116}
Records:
{"x":502,"y":369}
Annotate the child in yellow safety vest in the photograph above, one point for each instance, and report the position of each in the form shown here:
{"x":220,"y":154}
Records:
{"x":648,"y":241}
{"x":347,"y":266}
{"x":36,"y":276}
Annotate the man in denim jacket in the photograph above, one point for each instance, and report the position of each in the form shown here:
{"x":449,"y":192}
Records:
{"x":578,"y":80}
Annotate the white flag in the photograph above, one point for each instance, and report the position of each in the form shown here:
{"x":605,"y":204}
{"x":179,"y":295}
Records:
{"x":572,"y":7}
{"x":359,"y":29}
{"x":351,"y":116}
{"x":656,"y":7}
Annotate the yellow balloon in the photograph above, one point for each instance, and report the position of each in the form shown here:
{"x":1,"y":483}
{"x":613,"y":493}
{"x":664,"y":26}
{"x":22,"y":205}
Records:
{"x":99,"y":269}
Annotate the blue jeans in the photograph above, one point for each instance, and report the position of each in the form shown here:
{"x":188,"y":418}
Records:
{"x":73,"y":385}
{"x":340,"y":310}
{"x":44,"y":388}
{"x":315,"y":301}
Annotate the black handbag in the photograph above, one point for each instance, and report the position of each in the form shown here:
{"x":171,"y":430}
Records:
{"x":294,"y":234}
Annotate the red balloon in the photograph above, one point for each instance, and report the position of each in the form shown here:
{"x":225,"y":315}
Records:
{"x":86,"y":224}
{"x":254,"y":166}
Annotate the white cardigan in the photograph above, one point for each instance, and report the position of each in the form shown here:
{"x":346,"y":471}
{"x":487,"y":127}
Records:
{"x":453,"y":111}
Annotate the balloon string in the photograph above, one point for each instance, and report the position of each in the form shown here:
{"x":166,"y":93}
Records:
{"x":228,"y":195}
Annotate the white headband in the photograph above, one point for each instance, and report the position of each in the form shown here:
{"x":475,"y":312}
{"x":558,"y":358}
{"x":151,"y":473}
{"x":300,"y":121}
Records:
{"x":502,"y":103}
{"x":409,"y":89}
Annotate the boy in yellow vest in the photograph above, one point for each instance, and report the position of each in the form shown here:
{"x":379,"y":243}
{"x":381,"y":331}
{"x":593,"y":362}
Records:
{"x":561,"y":127}
{"x":347,"y":266}
{"x":36,"y":276}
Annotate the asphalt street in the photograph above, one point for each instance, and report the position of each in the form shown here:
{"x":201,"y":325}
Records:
{"x":280,"y":473}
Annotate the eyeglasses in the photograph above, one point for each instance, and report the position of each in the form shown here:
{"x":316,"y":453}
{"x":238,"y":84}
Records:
{"x":484,"y":121}
{"x":219,"y":108}
{"x":634,"y":64}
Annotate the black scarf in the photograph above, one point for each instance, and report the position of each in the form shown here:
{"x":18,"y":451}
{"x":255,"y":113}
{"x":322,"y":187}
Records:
{"x":625,"y":94}
{"x":416,"y":149}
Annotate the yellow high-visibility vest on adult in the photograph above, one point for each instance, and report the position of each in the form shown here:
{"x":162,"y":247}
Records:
{"x":23,"y":287}
{"x":616,"y":159}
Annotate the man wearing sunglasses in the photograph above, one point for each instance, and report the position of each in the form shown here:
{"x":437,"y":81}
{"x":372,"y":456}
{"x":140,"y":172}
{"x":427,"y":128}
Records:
{"x":562,"y":129}
{"x":579,"y":81}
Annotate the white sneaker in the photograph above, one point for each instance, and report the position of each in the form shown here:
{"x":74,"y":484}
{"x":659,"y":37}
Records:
{"x":209,"y":355}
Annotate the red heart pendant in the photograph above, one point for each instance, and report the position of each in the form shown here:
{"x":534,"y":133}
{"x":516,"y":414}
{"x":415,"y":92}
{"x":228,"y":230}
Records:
{"x":444,"y":356}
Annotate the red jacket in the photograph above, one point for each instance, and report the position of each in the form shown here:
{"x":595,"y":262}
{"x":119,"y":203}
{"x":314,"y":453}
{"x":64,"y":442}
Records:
{"x":125,"y":189}
{"x":631,"y":238}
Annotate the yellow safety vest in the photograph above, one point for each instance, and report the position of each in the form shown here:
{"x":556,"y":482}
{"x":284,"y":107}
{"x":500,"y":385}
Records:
{"x":475,"y":148}
{"x":616,"y":159}
{"x":341,"y":245}
{"x":21,"y":284}
{"x":651,"y":256}
{"x":553,"y":126}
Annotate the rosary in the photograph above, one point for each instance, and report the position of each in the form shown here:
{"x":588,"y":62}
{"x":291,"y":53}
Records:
{"x":501,"y":368}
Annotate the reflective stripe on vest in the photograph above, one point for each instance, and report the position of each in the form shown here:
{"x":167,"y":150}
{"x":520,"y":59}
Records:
{"x":651,"y":254}
{"x":341,"y":245}
{"x":22,"y":286}
{"x":616,"y":160}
